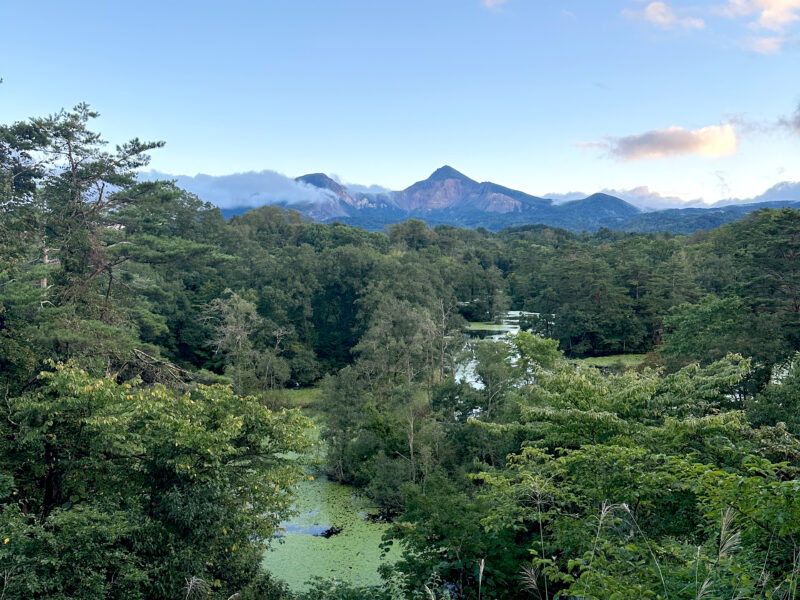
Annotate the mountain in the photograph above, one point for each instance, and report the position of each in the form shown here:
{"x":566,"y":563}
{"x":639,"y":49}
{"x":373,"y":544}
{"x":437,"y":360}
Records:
{"x":610,"y":207}
{"x":322,"y":181}
{"x":350,"y":198}
{"x":787,"y":191}
{"x":448,"y":197}
{"x":689,"y":220}
{"x":447,"y":189}
{"x":641,"y":197}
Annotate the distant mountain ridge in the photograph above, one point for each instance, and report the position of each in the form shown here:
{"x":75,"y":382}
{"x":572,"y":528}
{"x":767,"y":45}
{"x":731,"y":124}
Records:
{"x":452,"y":198}
{"x":449,"y":197}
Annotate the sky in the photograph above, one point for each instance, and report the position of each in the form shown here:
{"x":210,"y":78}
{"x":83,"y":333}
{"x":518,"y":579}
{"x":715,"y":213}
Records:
{"x":689,"y":99}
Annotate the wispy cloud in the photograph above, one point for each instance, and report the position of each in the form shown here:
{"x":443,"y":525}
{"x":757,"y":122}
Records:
{"x":764,"y":45}
{"x":590,"y":144}
{"x":774,"y":15}
{"x":494,"y":3}
{"x":792,"y":123}
{"x":747,"y":126}
{"x":712,"y":141}
{"x":662,"y":15}
{"x":250,"y":189}
{"x":769,"y":22}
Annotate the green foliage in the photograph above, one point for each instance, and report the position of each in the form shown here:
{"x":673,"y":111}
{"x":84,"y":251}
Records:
{"x":444,"y":541}
{"x":616,"y":487}
{"x":127,"y":472}
{"x":709,"y":329}
{"x":140,"y":489}
{"x":779,"y":402}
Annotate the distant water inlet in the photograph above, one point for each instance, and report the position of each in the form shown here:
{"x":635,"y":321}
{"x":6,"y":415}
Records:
{"x":334,"y":535}
{"x":496,"y":332}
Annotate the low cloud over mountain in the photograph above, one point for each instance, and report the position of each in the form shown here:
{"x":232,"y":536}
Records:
{"x":642,"y":197}
{"x":450,"y":197}
{"x":251,"y":189}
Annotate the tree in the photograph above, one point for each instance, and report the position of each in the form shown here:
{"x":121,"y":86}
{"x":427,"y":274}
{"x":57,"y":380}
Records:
{"x":779,"y":401}
{"x":83,"y":187}
{"x":122,"y":491}
{"x":412,"y":235}
{"x":708,"y":330}
{"x":400,"y":345}
{"x":345,"y":405}
{"x":235,"y":321}
{"x":713,"y":327}
{"x":592,"y":312}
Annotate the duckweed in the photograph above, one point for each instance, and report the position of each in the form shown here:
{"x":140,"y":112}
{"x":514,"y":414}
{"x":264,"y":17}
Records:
{"x":353,"y":555}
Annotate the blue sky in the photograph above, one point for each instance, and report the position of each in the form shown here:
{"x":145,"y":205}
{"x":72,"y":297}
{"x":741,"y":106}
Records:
{"x":691,"y":99}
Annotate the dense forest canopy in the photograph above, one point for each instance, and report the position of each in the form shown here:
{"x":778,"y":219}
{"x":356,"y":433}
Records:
{"x":148,"y":449}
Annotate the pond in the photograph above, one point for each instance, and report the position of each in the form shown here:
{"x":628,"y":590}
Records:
{"x":335,"y":534}
{"x":495,"y":332}
{"x":352,"y":551}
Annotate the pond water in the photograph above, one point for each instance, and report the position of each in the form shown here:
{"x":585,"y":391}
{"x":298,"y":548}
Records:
{"x":334,"y":534}
{"x":352,"y":555}
{"x":495,"y":332}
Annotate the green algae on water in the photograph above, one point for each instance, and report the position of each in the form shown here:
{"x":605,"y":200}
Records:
{"x":353,"y":555}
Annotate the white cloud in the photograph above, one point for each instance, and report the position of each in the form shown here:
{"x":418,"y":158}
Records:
{"x":777,"y":14}
{"x":250,"y":189}
{"x":367,"y":189}
{"x":494,"y":3}
{"x":661,"y":14}
{"x":646,"y":199}
{"x":764,"y":45}
{"x":712,"y":141}
{"x":774,"y":15}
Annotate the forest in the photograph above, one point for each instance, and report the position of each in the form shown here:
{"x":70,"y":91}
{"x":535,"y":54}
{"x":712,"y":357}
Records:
{"x":150,"y":349}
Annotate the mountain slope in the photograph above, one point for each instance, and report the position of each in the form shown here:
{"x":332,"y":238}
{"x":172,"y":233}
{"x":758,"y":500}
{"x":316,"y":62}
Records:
{"x":448,"y":197}
{"x":447,"y":188}
{"x":689,"y":220}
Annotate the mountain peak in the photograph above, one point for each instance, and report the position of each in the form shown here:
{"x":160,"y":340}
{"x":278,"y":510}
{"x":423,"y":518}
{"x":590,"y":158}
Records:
{"x":323,"y":182}
{"x":610,"y":204}
{"x":320,"y":180}
{"x":447,"y":172}
{"x":602,"y":197}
